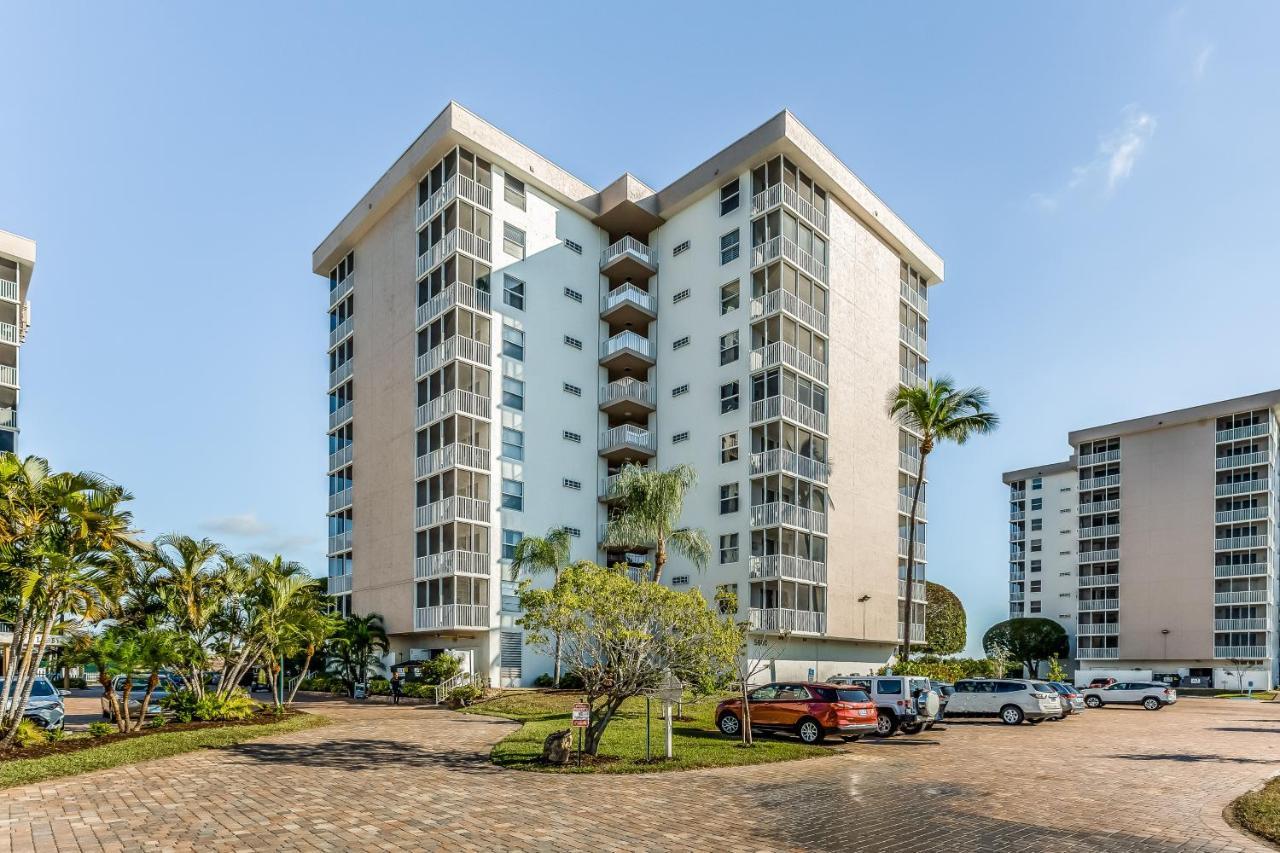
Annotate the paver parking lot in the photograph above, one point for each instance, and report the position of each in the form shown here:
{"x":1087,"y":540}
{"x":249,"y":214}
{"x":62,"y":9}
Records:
{"x":384,"y":778}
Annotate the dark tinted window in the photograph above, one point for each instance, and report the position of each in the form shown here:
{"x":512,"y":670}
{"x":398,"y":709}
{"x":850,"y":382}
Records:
{"x":1042,"y":688}
{"x":854,"y":696}
{"x":1009,"y":687}
{"x":889,"y":685}
{"x":964,"y":687}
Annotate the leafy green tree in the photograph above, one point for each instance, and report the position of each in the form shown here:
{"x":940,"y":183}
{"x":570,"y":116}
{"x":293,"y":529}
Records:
{"x":1056,"y":672}
{"x":1027,"y":641}
{"x":354,"y":649}
{"x":539,"y":554}
{"x":651,"y":503}
{"x":191,"y":585}
{"x":946,"y":630}
{"x":622,"y":638}
{"x":937,"y":412}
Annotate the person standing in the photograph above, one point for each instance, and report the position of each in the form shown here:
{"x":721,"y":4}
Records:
{"x":395,"y":688}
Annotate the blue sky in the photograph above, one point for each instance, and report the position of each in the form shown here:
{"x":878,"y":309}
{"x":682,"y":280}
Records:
{"x":1101,"y":180}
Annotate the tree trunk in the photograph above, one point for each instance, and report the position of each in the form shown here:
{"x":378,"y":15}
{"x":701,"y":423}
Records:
{"x":20,"y":702}
{"x":152,"y":681}
{"x":659,"y":559}
{"x":746,"y":716}
{"x":306,"y":664}
{"x":599,"y":722}
{"x":911,"y":560}
{"x":21,"y":653}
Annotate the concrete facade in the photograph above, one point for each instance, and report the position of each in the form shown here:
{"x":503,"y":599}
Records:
{"x":17,"y":263}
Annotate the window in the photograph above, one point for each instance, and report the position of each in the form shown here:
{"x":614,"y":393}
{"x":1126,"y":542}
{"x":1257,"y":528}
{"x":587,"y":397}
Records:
{"x":1035,"y":545}
{"x":512,"y":494}
{"x":728,"y":397}
{"x":679,"y":389}
{"x":573,"y":294}
{"x":680,"y":343}
{"x":729,"y":347}
{"x":1037,"y":523}
{"x":1035,"y":565}
{"x":679,"y":437}
{"x":728,"y":498}
{"x":729,"y":247}
{"x":572,"y":389}
{"x":729,"y":447}
{"x":680,"y":249}
{"x":513,"y":191}
{"x":573,"y":531}
{"x":513,"y":291}
{"x":728,"y":548}
{"x":729,"y":297}
{"x":729,"y":197}
{"x":1035,"y":607}
{"x":513,"y":341}
{"x":572,"y":436}
{"x":512,"y":443}
{"x":576,"y":485}
{"x":680,"y":580}
{"x":510,"y":539}
{"x":1037,"y":484}
{"x":572,"y":342}
{"x":1037,"y":503}
{"x":1035,"y":586}
{"x":513,"y":393}
{"x":681,"y":296}
{"x":576,"y":248}
{"x":512,"y":240}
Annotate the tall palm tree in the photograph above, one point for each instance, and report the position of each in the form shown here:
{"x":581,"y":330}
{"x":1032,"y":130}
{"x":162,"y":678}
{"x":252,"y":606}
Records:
{"x":192,"y":592}
{"x":651,"y":503}
{"x":937,"y":412}
{"x":537,"y":554}
{"x":355,"y":647}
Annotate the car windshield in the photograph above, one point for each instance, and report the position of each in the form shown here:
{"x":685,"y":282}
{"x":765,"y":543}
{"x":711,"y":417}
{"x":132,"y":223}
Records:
{"x":40,"y":688}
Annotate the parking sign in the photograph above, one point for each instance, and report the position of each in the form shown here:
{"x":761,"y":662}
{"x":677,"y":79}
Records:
{"x":581,"y":715}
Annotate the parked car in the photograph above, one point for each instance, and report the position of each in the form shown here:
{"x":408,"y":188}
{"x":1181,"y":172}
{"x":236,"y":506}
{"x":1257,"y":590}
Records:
{"x":1072,"y":699}
{"x":1102,"y":682}
{"x":903,"y":702}
{"x":944,"y":689}
{"x":1011,"y":699}
{"x":812,"y":711}
{"x":137,"y":690}
{"x":1149,"y":695}
{"x":44,"y":707}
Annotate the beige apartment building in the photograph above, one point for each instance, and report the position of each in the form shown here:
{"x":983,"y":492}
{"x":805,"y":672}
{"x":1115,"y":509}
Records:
{"x":505,"y":337}
{"x":1155,"y":544}
{"x":17,"y":262}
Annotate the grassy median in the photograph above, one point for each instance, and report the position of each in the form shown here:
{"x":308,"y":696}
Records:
{"x":695,"y":740}
{"x":24,"y":771}
{"x":1259,"y":811}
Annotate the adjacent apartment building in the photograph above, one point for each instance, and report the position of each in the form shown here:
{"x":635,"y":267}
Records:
{"x":504,"y":338}
{"x":1154,"y":545}
{"x":17,"y":261}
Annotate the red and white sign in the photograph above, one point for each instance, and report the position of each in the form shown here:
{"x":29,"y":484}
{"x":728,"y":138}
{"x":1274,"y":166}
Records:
{"x":581,"y":715}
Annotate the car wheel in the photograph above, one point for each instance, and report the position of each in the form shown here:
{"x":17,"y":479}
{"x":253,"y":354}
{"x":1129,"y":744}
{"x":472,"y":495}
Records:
{"x":913,"y":729}
{"x":1151,"y":703}
{"x":729,"y":724}
{"x":810,"y":731}
{"x":1011,"y":715}
{"x":1093,"y":701}
{"x":886,"y":724}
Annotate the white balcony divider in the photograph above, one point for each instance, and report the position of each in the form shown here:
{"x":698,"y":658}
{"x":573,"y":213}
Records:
{"x":779,"y":620}
{"x":8,"y":375}
{"x":1098,"y":458}
{"x":628,"y":246}
{"x":789,"y":567}
{"x":340,"y":415}
{"x":340,"y":458}
{"x":1242,"y":487}
{"x":451,"y":563}
{"x":1095,"y":507}
{"x":1100,"y":580}
{"x":1099,"y":604}
{"x":340,"y":542}
{"x":342,"y":373}
{"x":451,"y":616}
{"x":458,"y":186}
{"x":1099,"y":482}
{"x":454,"y":347}
{"x":457,"y":240}
{"x":339,"y":333}
{"x":339,"y":584}
{"x":340,"y":290}
{"x":453,"y":402}
{"x":780,"y":460}
{"x":785,"y":301}
{"x":1100,"y":532}
{"x":627,"y":341}
{"x":340,"y":500}
{"x":902,"y":548}
{"x":1258,"y":652}
{"x":630,"y":294}
{"x":452,"y":508}
{"x":628,"y":435}
{"x":8,"y":290}
{"x":1242,"y":570}
{"x":1251,"y":431}
{"x":456,"y":294}
{"x":1245,"y":624}
{"x":1235,"y":543}
{"x":1251,"y":513}
{"x":627,"y":388}
{"x":785,"y":407}
{"x":917,"y":632}
{"x":1243,"y":596}
{"x":9,"y":333}
{"x":771,"y":196}
{"x":781,"y":352}
{"x":779,"y":246}
{"x":913,"y":339}
{"x":449,"y":456}
{"x":1104,"y":555}
{"x":1017,"y":495}
{"x":1242,"y":460}
{"x":778,"y":512}
{"x":1097,"y":654}
{"x":917,"y":299}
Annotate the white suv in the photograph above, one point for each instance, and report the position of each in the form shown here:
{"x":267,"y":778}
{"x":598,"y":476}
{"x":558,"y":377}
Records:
{"x":1011,"y":699}
{"x":1151,"y":696}
{"x":906,"y":702}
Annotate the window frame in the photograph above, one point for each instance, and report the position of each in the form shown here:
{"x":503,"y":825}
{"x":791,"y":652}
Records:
{"x":511,"y":294}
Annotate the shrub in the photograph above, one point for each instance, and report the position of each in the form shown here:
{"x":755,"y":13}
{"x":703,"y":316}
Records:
{"x":420,"y":690}
{"x":100,"y":729}
{"x":570,"y":681}
{"x":440,"y":669}
{"x":318,"y":682}
{"x":29,"y":734}
{"x":544,"y":680}
{"x":181,"y":705}
{"x":234,"y":706}
{"x":379,"y":687}
{"x":77,"y":683}
{"x":944,"y":669}
{"x":54,"y":735}
{"x":157,"y":722}
{"x":464,"y":695}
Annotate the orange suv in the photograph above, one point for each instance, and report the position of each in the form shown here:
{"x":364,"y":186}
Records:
{"x":812,"y":711}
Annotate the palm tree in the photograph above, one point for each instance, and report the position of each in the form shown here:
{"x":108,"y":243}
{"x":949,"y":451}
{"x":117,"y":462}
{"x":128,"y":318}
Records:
{"x":310,"y":633}
{"x":354,"y":648}
{"x":537,"y":554}
{"x":651,"y":503}
{"x":192,"y":592}
{"x":937,"y":412}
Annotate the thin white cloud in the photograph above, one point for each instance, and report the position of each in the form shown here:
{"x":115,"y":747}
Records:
{"x":1112,"y":162}
{"x":1201,"y":64}
{"x":257,"y":535}
{"x":246,"y":524}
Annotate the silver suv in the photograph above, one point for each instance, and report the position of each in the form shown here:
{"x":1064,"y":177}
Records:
{"x":44,"y":707}
{"x":1011,"y":699}
{"x":906,"y":702}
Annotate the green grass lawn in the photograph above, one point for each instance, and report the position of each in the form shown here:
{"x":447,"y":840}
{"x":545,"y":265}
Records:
{"x":1259,"y":811}
{"x":695,"y":742}
{"x":1260,"y":695}
{"x":24,"y":771}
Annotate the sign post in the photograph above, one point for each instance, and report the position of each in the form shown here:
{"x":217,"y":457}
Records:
{"x":581,"y":720}
{"x":647,"y":718}
{"x":670,"y":692}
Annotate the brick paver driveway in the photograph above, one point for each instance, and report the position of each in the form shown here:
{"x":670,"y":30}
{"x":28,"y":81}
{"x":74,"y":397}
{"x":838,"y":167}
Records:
{"x":414,"y":778}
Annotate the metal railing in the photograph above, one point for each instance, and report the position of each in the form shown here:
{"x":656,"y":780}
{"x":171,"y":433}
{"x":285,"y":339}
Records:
{"x":917,"y":299}
{"x":781,"y":352}
{"x":9,"y":375}
{"x":628,"y":435}
{"x":904,"y":505}
{"x":789,"y":567}
{"x":8,"y":290}
{"x":771,"y":196}
{"x":340,"y":458}
{"x":1246,"y":624}
{"x":627,"y":341}
{"x":457,"y":240}
{"x":628,"y":246}
{"x":456,"y":294}
{"x":1103,"y":482}
{"x":1258,"y":652}
{"x":628,"y":389}
{"x":1100,"y":532}
{"x":339,"y":332}
{"x":453,"y":402}
{"x":340,"y":290}
{"x":1242,"y":460}
{"x":902,"y":548}
{"x":451,"y":616}
{"x":917,"y":586}
{"x":628,"y":293}
{"x":340,"y":415}
{"x":1242,"y":487}
{"x":787,"y":302}
{"x":1095,"y":507}
{"x":779,"y":460}
{"x":780,"y":246}
{"x":1017,"y":495}
{"x":1017,"y":575}
{"x":452,"y":508}
{"x":1251,"y":513}
{"x":339,"y":584}
{"x":1100,"y":580}
{"x":1097,"y":654}
{"x":778,"y":512}
{"x":9,"y":334}
{"x":449,"y":456}
{"x":455,"y":562}
{"x":1243,"y":596}
{"x":1242,"y":570}
{"x":458,"y":186}
{"x":1098,"y":458}
{"x":909,"y":379}
{"x":1100,"y":555}
{"x":451,"y":348}
{"x":778,"y":620}
{"x":472,"y":679}
{"x":1237,"y":433}
{"x":1017,"y":515}
{"x":913,"y":339}
{"x":1098,"y":629}
{"x":909,"y":462}
{"x":340,"y":542}
{"x":786,"y":407}
{"x":1235,"y":543}
{"x":1098,"y":604}
{"x":340,"y":500}
{"x":917,"y":632}
{"x":341,"y":373}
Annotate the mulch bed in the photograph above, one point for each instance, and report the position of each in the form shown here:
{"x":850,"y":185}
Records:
{"x":75,"y":744}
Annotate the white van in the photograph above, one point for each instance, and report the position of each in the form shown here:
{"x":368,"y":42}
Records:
{"x":1011,"y":699}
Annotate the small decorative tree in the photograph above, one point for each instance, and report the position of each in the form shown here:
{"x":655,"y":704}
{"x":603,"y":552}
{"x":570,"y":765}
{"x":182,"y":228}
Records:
{"x":1056,"y":672}
{"x":748,"y":665}
{"x":998,"y":655}
{"x":946,"y":629}
{"x":1029,"y":641}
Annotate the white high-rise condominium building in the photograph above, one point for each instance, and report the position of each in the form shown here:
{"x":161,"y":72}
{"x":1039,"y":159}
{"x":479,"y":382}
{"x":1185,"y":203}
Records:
{"x":1155,"y":544}
{"x":504,"y":338}
{"x":17,"y":261}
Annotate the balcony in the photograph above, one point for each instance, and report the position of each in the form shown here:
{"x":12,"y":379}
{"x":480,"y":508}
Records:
{"x":450,"y":616}
{"x":1100,"y":532}
{"x":456,"y":240}
{"x":339,"y":291}
{"x":626,"y":441}
{"x":8,"y":290}
{"x":771,"y":408}
{"x":784,"y":247}
{"x":1085,"y":653}
{"x":779,"y":620}
{"x":778,"y":461}
{"x":788,"y":303}
{"x":909,"y":379}
{"x":777,"y":512}
{"x":1258,"y":652}
{"x":913,"y":339}
{"x":917,"y":299}
{"x":902,"y":549}
{"x":455,"y":402}
{"x":1100,"y":555}
{"x":908,"y":463}
{"x":458,"y":186}
{"x":917,"y":633}
{"x":1242,"y":460}
{"x":1242,"y":487}
{"x":627,"y":351}
{"x":772,"y":196}
{"x":1238,"y":433}
{"x":904,"y":505}
{"x":451,"y":456}
{"x":1014,"y":596}
{"x":8,"y":375}
{"x":1016,"y":575}
{"x":1243,"y":596}
{"x":1098,"y":604}
{"x":1098,"y":458}
{"x":452,"y":508}
{"x":451,"y":563}
{"x":1099,"y":629}
{"x":622,"y":396}
{"x":340,"y":458}
{"x":628,"y":259}
{"x":455,"y":295}
{"x":1017,"y":515}
{"x":1017,"y":495}
{"x":341,"y":332}
{"x":455,"y":347}
{"x":341,"y":373}
{"x":918,"y":587}
{"x":1247,"y":624}
{"x":1243,"y":570}
{"x":339,"y":584}
{"x":340,"y":500}
{"x":1095,"y":507}
{"x":628,"y":305}
{"x":1100,"y":580}
{"x":780,"y":352}
{"x":788,"y":567}
{"x":339,"y":543}
{"x":1104,"y":482}
{"x":1251,"y":513}
{"x":340,"y":416}
{"x":1237,"y":543}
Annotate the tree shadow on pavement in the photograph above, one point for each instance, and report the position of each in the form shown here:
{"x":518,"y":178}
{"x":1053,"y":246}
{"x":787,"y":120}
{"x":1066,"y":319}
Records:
{"x":1193,"y":757}
{"x":364,"y":754}
{"x":1246,"y":729}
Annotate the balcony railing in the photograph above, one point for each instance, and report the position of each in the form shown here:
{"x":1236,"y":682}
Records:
{"x":1102,"y":629}
{"x":1103,"y":482}
{"x":1242,"y":487}
{"x":628,"y":293}
{"x":1095,"y":507}
{"x":627,"y":341}
{"x":1100,"y":532}
{"x":1100,"y":580}
{"x":918,"y":587}
{"x":340,"y":458}
{"x":456,"y":294}
{"x":341,"y":373}
{"x":1247,"y":624}
{"x":340,"y":415}
{"x":1242,"y":570}
{"x":340,"y":290}
{"x":1098,"y":604}
{"x":339,"y":333}
{"x":8,"y":375}
{"x":1251,"y":513}
{"x":628,"y":246}
{"x":909,"y":462}
{"x":789,"y":303}
{"x":917,"y":633}
{"x":779,"y":620}
{"x":1099,"y":458}
{"x":784,"y":247}
{"x":1236,"y":543}
{"x":781,"y":352}
{"x":777,"y":512}
{"x":628,"y":389}
{"x":1242,"y":460}
{"x":455,"y":402}
{"x":458,"y":186}
{"x":451,"y":616}
{"x":1017,"y":515}
{"x":788,"y":567}
{"x":1101,"y":555}
{"x":779,"y":460}
{"x":457,"y":240}
{"x":770,"y":197}
{"x":1017,"y":575}
{"x":449,"y":456}
{"x":628,"y":435}
{"x":1017,"y":495}
{"x":1097,"y":654}
{"x":451,"y":563}
{"x":1237,"y":433}
{"x":455,"y":347}
{"x":917,"y":299}
{"x":339,"y":584}
{"x":785,"y":407}
{"x":1258,"y":652}
{"x":8,"y":290}
{"x":340,"y":500}
{"x":9,"y":333}
{"x":913,"y":339}
{"x":909,"y":379}
{"x":1014,"y":596}
{"x":1243,"y":596}
{"x":902,"y":548}
{"x":340,"y":542}
{"x":904,"y":505}
{"x":452,"y":508}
